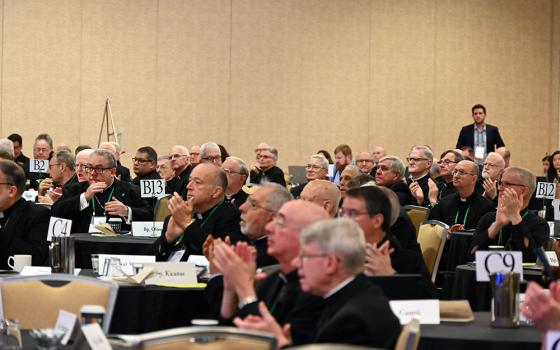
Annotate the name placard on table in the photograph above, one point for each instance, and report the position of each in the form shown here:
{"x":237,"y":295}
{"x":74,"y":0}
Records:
{"x":152,"y":188}
{"x":126,"y":263}
{"x":167,"y":272}
{"x":38,"y":165}
{"x":427,"y":310}
{"x":147,"y":228}
{"x":488,"y":262}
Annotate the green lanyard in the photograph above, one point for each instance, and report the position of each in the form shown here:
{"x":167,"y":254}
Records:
{"x":180,"y":240}
{"x":95,"y":198}
{"x":465,"y":218}
{"x":508,"y":243}
{"x":6,"y":223}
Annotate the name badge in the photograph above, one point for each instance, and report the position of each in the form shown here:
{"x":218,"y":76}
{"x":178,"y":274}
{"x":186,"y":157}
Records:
{"x":58,"y":227}
{"x":427,"y":311}
{"x":117,"y":265}
{"x":488,"y":262}
{"x":172,"y":272}
{"x":95,"y":337}
{"x":545,"y":190}
{"x":147,"y":228}
{"x":552,"y":259}
{"x":152,"y":188}
{"x":38,"y":165}
{"x":479,"y":152}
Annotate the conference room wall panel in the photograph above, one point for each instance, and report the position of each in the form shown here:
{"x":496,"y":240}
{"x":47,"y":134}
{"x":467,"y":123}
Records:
{"x":299,"y":74}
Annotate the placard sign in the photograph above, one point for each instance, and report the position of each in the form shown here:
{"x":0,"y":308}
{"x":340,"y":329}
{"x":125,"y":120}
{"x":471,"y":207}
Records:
{"x":169,"y":272}
{"x":545,"y":190}
{"x":553,"y":340}
{"x":58,"y":227}
{"x":427,"y":311}
{"x":552,"y":258}
{"x":115,"y":264}
{"x":95,"y":337}
{"x":152,"y":188}
{"x":65,"y":323}
{"x":38,"y":165}
{"x":147,"y":228}
{"x":488,"y":262}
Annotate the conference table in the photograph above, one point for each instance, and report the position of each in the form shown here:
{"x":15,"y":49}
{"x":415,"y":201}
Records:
{"x":87,"y":244}
{"x":478,"y":335}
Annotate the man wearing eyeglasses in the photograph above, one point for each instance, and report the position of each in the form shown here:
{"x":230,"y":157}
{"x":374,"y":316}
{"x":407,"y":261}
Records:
{"x":266,"y":168}
{"x":317,"y":168}
{"x":102,"y":197}
{"x":492,"y":169}
{"x":330,"y":264}
{"x":420,"y":161}
{"x":464,"y":209}
{"x":81,"y":163}
{"x":179,"y":157}
{"x":144,"y":165}
{"x":194,"y":155}
{"x":366,"y":163}
{"x":390,"y":174}
{"x":237,"y":173}
{"x":447,"y":162}
{"x":512,"y":226}
{"x":280,"y":290}
{"x":210,"y":153}
{"x":23,"y":225}
{"x":62,"y":174}
{"x":42,"y":149}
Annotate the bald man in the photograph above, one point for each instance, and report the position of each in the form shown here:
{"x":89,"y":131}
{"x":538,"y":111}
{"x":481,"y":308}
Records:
{"x":323,"y":193}
{"x":180,"y":163}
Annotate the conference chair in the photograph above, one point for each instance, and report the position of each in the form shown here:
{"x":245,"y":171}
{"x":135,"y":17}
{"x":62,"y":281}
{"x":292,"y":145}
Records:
{"x":207,"y":338}
{"x":161,"y":211}
{"x":36,"y":300}
{"x":431,"y":237}
{"x":410,"y":336}
{"x":417,"y":214}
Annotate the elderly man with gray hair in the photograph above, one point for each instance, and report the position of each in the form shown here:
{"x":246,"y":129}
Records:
{"x":237,"y":174}
{"x":330,"y":264}
{"x":390,"y":174}
{"x":210,"y":153}
{"x":266,"y":168}
{"x":512,"y":225}
{"x":420,"y":160}
{"x":317,"y":168}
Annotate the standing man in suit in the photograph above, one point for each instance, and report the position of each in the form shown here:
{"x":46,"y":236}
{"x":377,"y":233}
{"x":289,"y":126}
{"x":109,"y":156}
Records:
{"x":483,"y":138}
{"x":103,"y":195}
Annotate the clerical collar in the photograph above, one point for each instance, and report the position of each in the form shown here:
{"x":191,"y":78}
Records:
{"x":339,"y":287}
{"x":421,"y":177}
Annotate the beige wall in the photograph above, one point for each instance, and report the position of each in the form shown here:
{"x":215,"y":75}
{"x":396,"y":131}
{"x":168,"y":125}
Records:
{"x":300,"y":74}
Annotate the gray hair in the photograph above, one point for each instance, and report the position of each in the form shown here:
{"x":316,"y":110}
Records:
{"x":427,"y":151}
{"x":321,"y":158}
{"x":274,"y":152}
{"x":278,"y":197}
{"x":208,"y":145}
{"x":66,"y":158}
{"x":117,"y":146}
{"x":341,"y":236}
{"x":397,"y":165}
{"x":163,"y":158}
{"x":107,"y":155}
{"x":526,"y":178}
{"x":243,"y":170}
{"x":7,"y":148}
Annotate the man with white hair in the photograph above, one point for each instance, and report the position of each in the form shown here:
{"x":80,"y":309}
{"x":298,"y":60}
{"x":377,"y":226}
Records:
{"x":330,"y":264}
{"x":237,"y":173}
{"x":390,"y":174}
{"x":210,"y":153}
{"x":317,"y":168}
{"x":492,"y":170}
{"x":123,"y":173}
{"x":420,"y":161}
{"x":366,"y":163}
{"x":266,"y":168}
{"x":179,"y":157}
{"x":81,"y":164}
{"x":6,"y":149}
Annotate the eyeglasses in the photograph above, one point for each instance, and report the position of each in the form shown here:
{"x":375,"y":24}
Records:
{"x":313,"y":167}
{"x":261,"y":149}
{"x":491,"y":165}
{"x":230,"y":172}
{"x":446,"y":162}
{"x":350,"y":213}
{"x":177,"y":156}
{"x":364,"y":161}
{"x":460,"y":172}
{"x":194,"y":154}
{"x":81,"y":166}
{"x":141,"y":161}
{"x":212,"y":159}
{"x":90,"y":169}
{"x":508,"y":184}
{"x":41,"y":150}
{"x":264,"y":156}
{"x":51,"y":165}
{"x":415,"y":159}
{"x":254,"y":205}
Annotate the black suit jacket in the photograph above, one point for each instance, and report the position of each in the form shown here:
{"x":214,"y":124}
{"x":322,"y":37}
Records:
{"x":403,"y":192}
{"x":220,"y":221}
{"x":123,"y":173}
{"x":274,"y":174}
{"x":68,"y":206}
{"x":24,"y":231}
{"x":179,"y":184}
{"x":448,"y":210}
{"x":358,"y":314}
{"x":493,"y":138}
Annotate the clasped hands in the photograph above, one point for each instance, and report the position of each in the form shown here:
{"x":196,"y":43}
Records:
{"x":378,"y":259}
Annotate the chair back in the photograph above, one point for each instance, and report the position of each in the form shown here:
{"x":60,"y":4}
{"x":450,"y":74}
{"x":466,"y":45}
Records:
{"x":410,"y":336}
{"x":330,"y":346}
{"x":417,"y":214}
{"x":431,"y":237}
{"x":161,"y":211}
{"x":207,"y":338}
{"x":36,"y":300}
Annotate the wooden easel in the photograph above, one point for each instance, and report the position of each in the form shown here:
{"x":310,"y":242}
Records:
{"x":108,"y":118}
